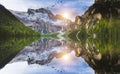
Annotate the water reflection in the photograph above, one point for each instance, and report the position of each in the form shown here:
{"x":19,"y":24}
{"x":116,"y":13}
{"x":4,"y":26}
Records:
{"x":96,"y":50}
{"x":9,"y":47}
{"x":66,"y":57}
{"x":56,"y":67}
{"x":44,"y":51}
{"x":53,"y":56}
{"x":101,"y":52}
{"x":99,"y":37}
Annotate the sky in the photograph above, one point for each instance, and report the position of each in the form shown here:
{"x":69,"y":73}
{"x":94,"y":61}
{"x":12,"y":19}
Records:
{"x":74,"y":66}
{"x":73,"y":7}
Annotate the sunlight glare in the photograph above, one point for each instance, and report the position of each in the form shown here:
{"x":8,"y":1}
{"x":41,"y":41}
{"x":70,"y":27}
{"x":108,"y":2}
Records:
{"x":66,"y":57}
{"x":66,"y":15}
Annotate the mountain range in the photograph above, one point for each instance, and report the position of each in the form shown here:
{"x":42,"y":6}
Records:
{"x":42,"y":20}
{"x":11,"y":26}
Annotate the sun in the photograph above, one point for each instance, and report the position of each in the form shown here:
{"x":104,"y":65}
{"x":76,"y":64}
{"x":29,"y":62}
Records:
{"x":65,"y":15}
{"x":66,"y":57}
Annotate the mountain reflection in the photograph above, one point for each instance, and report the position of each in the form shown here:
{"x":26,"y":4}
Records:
{"x":10,"y":47}
{"x":54,"y":56}
{"x":102,"y":59}
{"x":91,"y":47}
{"x":40,"y":52}
{"x":44,"y":51}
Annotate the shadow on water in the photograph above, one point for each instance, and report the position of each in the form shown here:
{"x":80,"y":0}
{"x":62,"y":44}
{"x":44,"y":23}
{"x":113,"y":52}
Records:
{"x":9,"y":47}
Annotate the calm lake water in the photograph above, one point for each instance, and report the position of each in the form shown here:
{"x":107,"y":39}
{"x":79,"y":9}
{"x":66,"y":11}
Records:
{"x":92,"y":47}
{"x":56,"y":56}
{"x":95,"y":50}
{"x":47,"y":56}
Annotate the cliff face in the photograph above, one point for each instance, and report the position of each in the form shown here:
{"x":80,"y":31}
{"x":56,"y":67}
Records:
{"x":43,"y":11}
{"x":106,"y":9}
{"x":101,"y":9}
{"x":42,"y":20}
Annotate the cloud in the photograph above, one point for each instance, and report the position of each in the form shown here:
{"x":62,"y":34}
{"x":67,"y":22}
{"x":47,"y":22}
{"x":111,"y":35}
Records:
{"x":13,"y":4}
{"x":75,"y":7}
{"x":21,"y":5}
{"x":75,"y":66}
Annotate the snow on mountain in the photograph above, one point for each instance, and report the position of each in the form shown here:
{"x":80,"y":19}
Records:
{"x":42,"y":20}
{"x":41,"y":52}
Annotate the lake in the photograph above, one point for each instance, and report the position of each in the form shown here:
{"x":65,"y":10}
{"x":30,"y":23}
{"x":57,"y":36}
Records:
{"x":89,"y":46}
{"x":86,"y":55}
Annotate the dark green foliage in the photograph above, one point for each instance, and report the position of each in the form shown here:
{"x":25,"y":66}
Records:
{"x":50,"y":35}
{"x":106,"y":9}
{"x":107,"y":41}
{"x":11,"y":26}
{"x":82,"y":35}
{"x":9,"y":47}
{"x":72,"y":35}
{"x":101,"y":41}
{"x":108,"y":35}
{"x":106,"y":44}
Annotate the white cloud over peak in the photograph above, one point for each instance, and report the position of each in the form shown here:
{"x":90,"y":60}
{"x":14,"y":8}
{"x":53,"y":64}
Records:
{"x":75,"y":7}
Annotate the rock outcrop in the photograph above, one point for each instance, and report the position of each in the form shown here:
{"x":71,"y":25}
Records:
{"x":42,"y":20}
{"x":41,"y":52}
{"x":99,"y":10}
{"x":43,"y":11}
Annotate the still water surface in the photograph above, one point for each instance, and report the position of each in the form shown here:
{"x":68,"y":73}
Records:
{"x":47,"y":56}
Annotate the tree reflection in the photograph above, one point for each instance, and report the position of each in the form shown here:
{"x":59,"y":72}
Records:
{"x":100,"y":40}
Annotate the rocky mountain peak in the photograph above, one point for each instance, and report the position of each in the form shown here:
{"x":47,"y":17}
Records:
{"x":78,"y":19}
{"x":99,"y":10}
{"x":41,"y":10}
{"x":30,"y":11}
{"x":1,"y":6}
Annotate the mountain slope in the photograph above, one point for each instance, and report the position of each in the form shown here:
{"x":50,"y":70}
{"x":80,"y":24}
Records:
{"x":11,"y":26}
{"x":101,"y":22}
{"x":42,"y":20}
